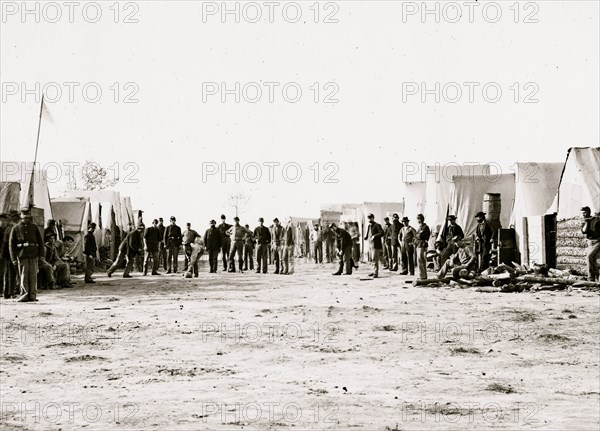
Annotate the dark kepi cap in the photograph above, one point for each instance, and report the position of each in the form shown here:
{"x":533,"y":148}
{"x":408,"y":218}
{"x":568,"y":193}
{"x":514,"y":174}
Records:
{"x":275,"y":220}
{"x":395,"y":215}
{"x":386,"y":219}
{"x":261,"y":220}
{"x":451,"y":217}
{"x":420,"y":217}
{"x":223,"y":217}
{"x":480,"y":214}
{"x":370,"y":216}
{"x":173,"y":218}
{"x":213,"y":222}
{"x":92,"y":225}
{"x":236,"y":218}
{"x":406,"y":219}
{"x":25,"y":211}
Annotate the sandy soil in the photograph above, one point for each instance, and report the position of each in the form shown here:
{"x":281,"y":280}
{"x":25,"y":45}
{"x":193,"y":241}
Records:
{"x":302,"y":352}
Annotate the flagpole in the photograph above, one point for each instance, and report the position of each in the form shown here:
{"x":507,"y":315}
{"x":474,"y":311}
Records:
{"x":37,"y":143}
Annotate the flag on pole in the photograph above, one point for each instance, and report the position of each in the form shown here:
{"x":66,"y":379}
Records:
{"x":45,"y":113}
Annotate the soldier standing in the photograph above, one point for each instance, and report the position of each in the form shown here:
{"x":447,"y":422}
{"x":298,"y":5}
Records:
{"x":237,"y":233}
{"x":226,"y":245}
{"x":289,"y":240}
{"x":277,"y":243}
{"x":162,"y":248}
{"x":483,"y":240}
{"x":26,"y":249}
{"x":262,"y":235}
{"x":213,"y":242}
{"x":172,"y":240}
{"x":374,"y":236}
{"x":316,"y":237}
{"x":387,"y":243}
{"x":248,"y":249}
{"x":406,"y":239}
{"x":422,"y":243}
{"x":152,"y":240}
{"x":90,"y":250}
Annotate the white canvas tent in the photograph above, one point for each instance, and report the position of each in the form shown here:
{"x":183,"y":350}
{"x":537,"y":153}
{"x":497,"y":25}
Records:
{"x":10,"y":193}
{"x":439,"y":188}
{"x":415,"y":199}
{"x":75,"y":214}
{"x":468,"y":195}
{"x":535,"y":189}
{"x":21,"y":172}
{"x":579,"y":183}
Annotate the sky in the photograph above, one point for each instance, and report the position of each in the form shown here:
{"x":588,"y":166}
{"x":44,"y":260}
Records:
{"x":352,"y":140}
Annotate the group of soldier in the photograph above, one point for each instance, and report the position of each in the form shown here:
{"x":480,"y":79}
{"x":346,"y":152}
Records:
{"x":27,"y":257}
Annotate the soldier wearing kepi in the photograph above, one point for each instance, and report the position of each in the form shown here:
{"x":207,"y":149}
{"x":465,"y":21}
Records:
{"x":262,"y":235}
{"x":173,"y":242}
{"x":344,"y":247}
{"x":131,"y":247}
{"x":11,"y":279}
{"x":237,"y":233}
{"x":213,"y":242}
{"x":316,"y":237}
{"x":26,"y":249}
{"x":374,"y":236}
{"x":90,"y":251}
{"x":226,"y":245}
{"x":393,"y":232}
{"x":277,"y":243}
{"x":387,"y":243}
{"x":249,"y":249}
{"x":422,"y":243}
{"x":406,"y":238}
{"x":152,"y":240}
{"x":162,"y":248}
{"x":483,"y":240}
{"x":590,"y":227}
{"x":189,"y":237}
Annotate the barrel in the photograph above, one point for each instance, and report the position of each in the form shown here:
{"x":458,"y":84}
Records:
{"x":492,"y":205}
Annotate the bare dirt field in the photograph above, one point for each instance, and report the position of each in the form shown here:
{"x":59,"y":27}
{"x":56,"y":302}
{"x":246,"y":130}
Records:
{"x":303,"y":352}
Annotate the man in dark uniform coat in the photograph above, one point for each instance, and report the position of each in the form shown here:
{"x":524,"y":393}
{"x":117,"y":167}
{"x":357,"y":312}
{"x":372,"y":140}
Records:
{"x":483,"y":240}
{"x":152,"y":240}
{"x":90,"y":251}
{"x":213,"y":241}
{"x":344,"y":249}
{"x":262,"y":235}
{"x":226,"y":244}
{"x":454,"y":234}
{"x":26,"y":250}
{"x":172,"y":240}
{"x":393,"y":232}
{"x":131,"y":247}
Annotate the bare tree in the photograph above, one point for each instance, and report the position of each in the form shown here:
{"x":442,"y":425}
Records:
{"x":238,"y":201}
{"x":92,"y":177}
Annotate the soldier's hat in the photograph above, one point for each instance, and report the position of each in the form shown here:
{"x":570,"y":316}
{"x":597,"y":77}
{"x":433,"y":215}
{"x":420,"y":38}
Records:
{"x":92,"y":225}
{"x":173,"y":218}
{"x":586,"y":209}
{"x":213,"y":222}
{"x":420,"y":217}
{"x":395,"y":215}
{"x":25,"y":211}
{"x":386,"y":219}
{"x":188,"y":224}
{"x":370,"y":216}
{"x":160,"y":219}
{"x":155,"y":221}
{"x":261,"y":220}
{"x":406,"y":219}
{"x":236,"y":218}
{"x":246,"y":226}
{"x":451,"y":217}
{"x":480,"y":214}
{"x":275,"y":220}
{"x":223,"y":217}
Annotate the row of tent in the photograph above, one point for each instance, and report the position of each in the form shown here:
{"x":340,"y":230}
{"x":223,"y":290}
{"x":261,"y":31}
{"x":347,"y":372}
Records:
{"x":111,"y":212}
{"x":527,"y":193}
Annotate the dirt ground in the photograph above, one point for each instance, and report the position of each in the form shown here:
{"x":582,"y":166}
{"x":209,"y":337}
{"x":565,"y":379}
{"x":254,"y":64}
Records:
{"x":303,"y":352}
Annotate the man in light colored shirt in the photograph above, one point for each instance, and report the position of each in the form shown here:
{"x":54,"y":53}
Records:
{"x":237,"y":232}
